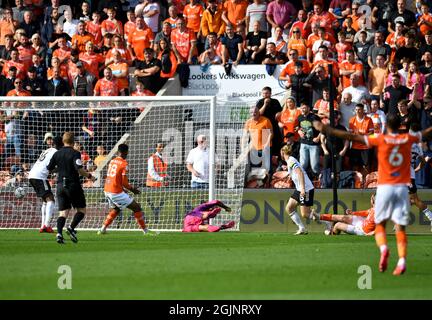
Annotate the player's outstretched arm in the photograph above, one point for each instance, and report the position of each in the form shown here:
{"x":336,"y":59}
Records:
{"x":86,"y":174}
{"x":427,"y":133}
{"x":345,"y":135}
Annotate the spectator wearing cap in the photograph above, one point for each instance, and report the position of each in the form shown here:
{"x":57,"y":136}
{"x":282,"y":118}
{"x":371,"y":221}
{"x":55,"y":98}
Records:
{"x":39,"y":48}
{"x":33,"y":84}
{"x":48,"y":139}
{"x":83,"y":82}
{"x":401,"y":14}
{"x":295,"y":84}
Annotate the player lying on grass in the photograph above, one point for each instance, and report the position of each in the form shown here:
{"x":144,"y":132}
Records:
{"x":115,"y":184}
{"x":197,"y":219}
{"x":359,"y":223}
{"x":392,"y":199}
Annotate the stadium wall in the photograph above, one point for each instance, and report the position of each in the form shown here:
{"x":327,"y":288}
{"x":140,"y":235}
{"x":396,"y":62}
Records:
{"x":263,"y":210}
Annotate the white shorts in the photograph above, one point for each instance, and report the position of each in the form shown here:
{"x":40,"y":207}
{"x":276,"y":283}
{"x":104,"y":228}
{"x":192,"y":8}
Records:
{"x":356,"y":228}
{"x":118,"y":200}
{"x":392,"y":202}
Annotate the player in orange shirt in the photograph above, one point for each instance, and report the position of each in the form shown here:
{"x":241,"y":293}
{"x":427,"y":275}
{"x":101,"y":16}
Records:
{"x":107,"y":86}
{"x":193,"y":13}
{"x":115,"y":185}
{"x":392,"y":199}
{"x":359,"y":223}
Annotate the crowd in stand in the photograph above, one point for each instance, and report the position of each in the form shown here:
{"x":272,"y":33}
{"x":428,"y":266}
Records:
{"x":380,"y":53}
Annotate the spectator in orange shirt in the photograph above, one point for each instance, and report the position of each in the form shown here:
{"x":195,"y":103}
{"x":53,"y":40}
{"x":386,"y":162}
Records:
{"x":183,"y":42}
{"x":288,"y":119}
{"x":342,"y":47}
{"x":297,"y":42}
{"x":7,"y":25}
{"x":425,"y":20}
{"x":141,"y":90}
{"x":140,"y":39}
{"x":234,"y":12}
{"x":14,"y":61}
{"x":118,"y":45}
{"x":63,"y":52}
{"x":107,"y":86}
{"x":111,"y":24}
{"x":322,"y":106}
{"x":167,"y":58}
{"x":359,"y":153}
{"x":289,"y":68}
{"x":93,"y":61}
{"x":193,"y":13}
{"x":81,"y":37}
{"x":55,"y":63}
{"x":18,"y":90}
{"x":257,"y":139}
{"x":120,"y":71}
{"x":95,"y":29}
{"x":25,"y":51}
{"x":323,"y":18}
{"x":172,"y":16}
{"x":212,"y":20}
{"x":348,"y":67}
{"x":130,"y":24}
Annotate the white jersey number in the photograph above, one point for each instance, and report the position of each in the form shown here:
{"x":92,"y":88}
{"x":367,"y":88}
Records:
{"x":395,"y":158}
{"x":112,"y":170}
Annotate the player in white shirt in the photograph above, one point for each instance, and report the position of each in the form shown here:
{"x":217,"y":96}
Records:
{"x":38,"y":178}
{"x":304,"y":193}
{"x":417,"y":154}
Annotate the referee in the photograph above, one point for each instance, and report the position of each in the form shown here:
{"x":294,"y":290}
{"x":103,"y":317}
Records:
{"x":69,"y":190}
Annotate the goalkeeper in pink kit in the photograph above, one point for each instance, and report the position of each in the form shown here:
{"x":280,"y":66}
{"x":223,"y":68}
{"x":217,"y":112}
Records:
{"x":197,"y":219}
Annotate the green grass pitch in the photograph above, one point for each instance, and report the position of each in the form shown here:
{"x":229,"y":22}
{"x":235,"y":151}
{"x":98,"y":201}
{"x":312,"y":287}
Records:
{"x":225,"y":265}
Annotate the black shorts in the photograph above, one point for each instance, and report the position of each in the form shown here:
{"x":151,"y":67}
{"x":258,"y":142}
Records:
{"x":41,"y":187}
{"x":412,"y":188}
{"x":359,"y":157}
{"x":70,"y":196}
{"x":307,"y":200}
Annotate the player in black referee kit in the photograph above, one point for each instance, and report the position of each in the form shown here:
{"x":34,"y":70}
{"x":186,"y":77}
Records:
{"x":69,"y":190}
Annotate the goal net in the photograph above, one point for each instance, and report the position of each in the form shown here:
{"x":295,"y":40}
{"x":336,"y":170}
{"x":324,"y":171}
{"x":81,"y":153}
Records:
{"x":100,"y":124}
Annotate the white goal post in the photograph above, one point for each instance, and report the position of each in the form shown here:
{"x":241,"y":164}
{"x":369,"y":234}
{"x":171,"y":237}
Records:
{"x":104,"y":123}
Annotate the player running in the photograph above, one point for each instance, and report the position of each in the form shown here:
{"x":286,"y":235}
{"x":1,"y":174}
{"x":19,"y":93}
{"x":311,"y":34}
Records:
{"x":392,"y":200}
{"x":38,"y":179}
{"x":359,"y":223}
{"x":304,"y":193}
{"x":115,"y":184}
{"x":197,"y":219}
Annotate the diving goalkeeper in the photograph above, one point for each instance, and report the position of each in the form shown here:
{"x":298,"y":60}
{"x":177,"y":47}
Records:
{"x":197,"y":219}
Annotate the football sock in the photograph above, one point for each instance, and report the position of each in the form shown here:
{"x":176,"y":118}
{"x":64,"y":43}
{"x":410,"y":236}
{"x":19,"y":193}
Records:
{"x":296,"y":219}
{"x":61,"y":221}
{"x":428,"y":214}
{"x":213,"y":228}
{"x":326,"y":217}
{"x":77,"y":219}
{"x":139,"y":217}
{"x":43,"y":209}
{"x":401,"y":240}
{"x":381,"y":237}
{"x":110,"y":218}
{"x":48,"y":212}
